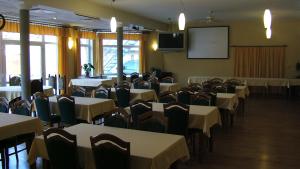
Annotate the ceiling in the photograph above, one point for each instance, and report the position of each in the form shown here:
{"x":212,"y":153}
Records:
{"x":160,"y":10}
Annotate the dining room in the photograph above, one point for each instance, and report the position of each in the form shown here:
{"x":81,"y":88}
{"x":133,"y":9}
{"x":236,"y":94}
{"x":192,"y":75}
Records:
{"x":149,"y":84}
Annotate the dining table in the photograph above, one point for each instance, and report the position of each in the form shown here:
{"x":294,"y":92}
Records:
{"x":148,"y":150}
{"x":135,"y":94}
{"x":11,"y":92}
{"x":86,"y":108}
{"x":12,"y":125}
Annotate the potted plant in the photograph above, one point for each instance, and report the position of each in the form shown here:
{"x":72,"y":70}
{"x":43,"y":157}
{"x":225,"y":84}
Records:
{"x":87,"y":67}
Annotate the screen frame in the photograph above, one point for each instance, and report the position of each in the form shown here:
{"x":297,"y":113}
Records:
{"x":171,"y":49}
{"x":228,"y":37}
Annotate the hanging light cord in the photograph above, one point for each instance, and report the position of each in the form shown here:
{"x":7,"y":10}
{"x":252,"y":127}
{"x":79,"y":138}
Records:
{"x":181,"y":5}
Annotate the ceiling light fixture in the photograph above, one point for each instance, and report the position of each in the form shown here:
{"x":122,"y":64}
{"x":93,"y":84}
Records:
{"x":181,"y":18}
{"x":267,"y":18}
{"x":113,"y":22}
{"x":268,"y":33}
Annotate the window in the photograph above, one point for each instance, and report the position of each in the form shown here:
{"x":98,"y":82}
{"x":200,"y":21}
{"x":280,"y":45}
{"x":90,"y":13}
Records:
{"x":131,"y":55}
{"x":86,"y":52}
{"x":43,"y":55}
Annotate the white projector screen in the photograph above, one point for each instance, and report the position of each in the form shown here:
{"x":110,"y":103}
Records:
{"x":208,"y":42}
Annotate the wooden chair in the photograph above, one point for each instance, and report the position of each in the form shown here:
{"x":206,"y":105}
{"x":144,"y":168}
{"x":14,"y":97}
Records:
{"x":78,"y":91}
{"x":62,"y":149}
{"x":66,"y":105}
{"x":4,"y":105}
{"x":201,"y":99}
{"x":15,"y":81}
{"x":123,"y":95}
{"x":152,"y":121}
{"x":184,"y":96}
{"x":137,"y":108}
{"x":116,"y":118}
{"x":41,"y":102}
{"x":110,"y":152}
{"x":167,"y":97}
{"x":52,"y":81}
{"x":101,"y":92}
{"x":167,"y":79}
{"x":36,"y":86}
{"x":133,"y":76}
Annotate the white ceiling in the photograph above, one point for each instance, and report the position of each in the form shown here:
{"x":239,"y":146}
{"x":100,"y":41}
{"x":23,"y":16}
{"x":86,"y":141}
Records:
{"x":198,"y":9}
{"x":161,"y":10}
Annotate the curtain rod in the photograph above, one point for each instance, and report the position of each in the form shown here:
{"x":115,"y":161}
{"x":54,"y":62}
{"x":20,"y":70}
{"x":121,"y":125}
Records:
{"x":258,"y":46}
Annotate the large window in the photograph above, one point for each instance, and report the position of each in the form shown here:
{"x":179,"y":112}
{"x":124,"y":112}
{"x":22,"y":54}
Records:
{"x":131,"y":55}
{"x":86,"y":52}
{"x":43,"y":55}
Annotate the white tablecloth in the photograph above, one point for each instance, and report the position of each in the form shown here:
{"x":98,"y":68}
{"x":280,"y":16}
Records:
{"x":13,"y":125}
{"x":173,"y":87}
{"x":242,"y":91}
{"x":200,"y":117}
{"x":135,"y":94}
{"x":11,"y":92}
{"x":148,"y":150}
{"x":91,"y":82}
{"x":86,"y":108}
{"x":228,"y":101}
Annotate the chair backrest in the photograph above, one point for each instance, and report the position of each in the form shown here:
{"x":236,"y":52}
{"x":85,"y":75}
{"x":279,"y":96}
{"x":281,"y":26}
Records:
{"x":123,"y":96}
{"x":42,"y":107}
{"x":135,"y":83}
{"x":15,"y":81}
{"x":21,"y":107}
{"x":137,"y":108}
{"x":124,"y":77}
{"x":184,"y":96}
{"x":201,"y":99}
{"x":13,"y":101}
{"x":143,"y":85}
{"x":133,"y":76}
{"x":213,"y":98}
{"x":4,"y":105}
{"x":78,"y":91}
{"x":36,"y":86}
{"x":61,"y":83}
{"x":230,"y":88}
{"x":101,"y":92}
{"x":66,"y":105}
{"x":167,"y":79}
{"x":235,"y":82}
{"x":110,"y":152}
{"x":219,"y":89}
{"x":152,"y":121}
{"x":156,"y":87}
{"x":116,"y":118}
{"x":195,"y":87}
{"x":178,"y":118}
{"x":167,"y":97}
{"x":52,"y":81}
{"x":62,"y":148}
{"x":146,"y":76}
{"x":216,"y":81}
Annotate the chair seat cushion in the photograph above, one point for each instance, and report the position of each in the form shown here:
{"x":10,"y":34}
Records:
{"x":55,"y":118}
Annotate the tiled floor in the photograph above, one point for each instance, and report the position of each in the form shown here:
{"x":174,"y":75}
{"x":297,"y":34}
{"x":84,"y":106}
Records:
{"x":267,"y":137}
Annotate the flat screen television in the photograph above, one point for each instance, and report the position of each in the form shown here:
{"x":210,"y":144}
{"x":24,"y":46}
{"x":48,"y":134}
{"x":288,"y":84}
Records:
{"x":170,"y":41}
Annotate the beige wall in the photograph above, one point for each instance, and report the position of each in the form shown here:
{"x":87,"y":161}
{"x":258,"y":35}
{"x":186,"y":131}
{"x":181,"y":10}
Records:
{"x":241,"y":33}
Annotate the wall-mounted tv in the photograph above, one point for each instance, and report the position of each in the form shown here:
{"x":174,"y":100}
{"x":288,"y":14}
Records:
{"x":170,"y":41}
{"x":208,"y":42}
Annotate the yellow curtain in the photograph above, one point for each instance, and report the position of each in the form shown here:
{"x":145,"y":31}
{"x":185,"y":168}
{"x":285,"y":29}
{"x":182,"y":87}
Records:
{"x":139,"y":37}
{"x":33,"y":28}
{"x":88,"y":35}
{"x":262,"y":61}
